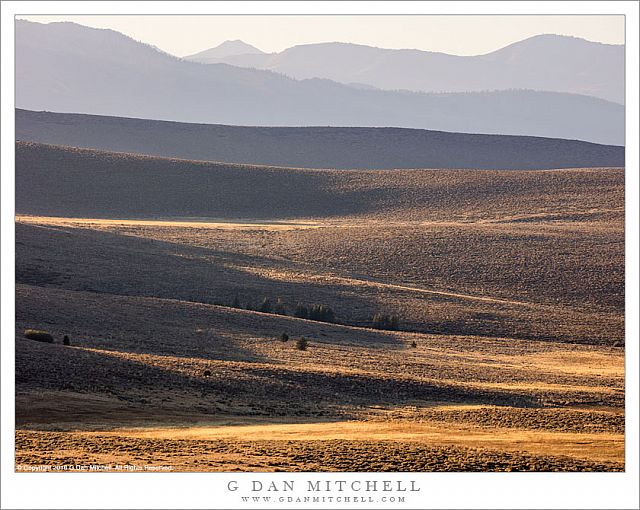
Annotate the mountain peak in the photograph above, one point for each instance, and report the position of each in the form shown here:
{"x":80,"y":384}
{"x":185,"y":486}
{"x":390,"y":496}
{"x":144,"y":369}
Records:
{"x":227,"y":49}
{"x":555,"y":42}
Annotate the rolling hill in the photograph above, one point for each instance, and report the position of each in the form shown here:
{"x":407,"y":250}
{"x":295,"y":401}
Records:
{"x":509,"y":288}
{"x":319,"y":147}
{"x":67,"y":67}
{"x":65,"y":181}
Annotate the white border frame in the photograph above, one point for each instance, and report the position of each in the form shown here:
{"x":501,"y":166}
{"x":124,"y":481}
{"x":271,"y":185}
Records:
{"x":438,"y":490}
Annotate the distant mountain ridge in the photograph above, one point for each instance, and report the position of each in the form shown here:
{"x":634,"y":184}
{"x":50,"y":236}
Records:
{"x":226,"y":49}
{"x":66,"y":67}
{"x":312,"y":147}
{"x":547,"y":62}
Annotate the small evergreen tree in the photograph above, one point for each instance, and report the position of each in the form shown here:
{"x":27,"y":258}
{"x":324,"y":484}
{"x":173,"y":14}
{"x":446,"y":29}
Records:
{"x":265,"y":306}
{"x":302,"y":344}
{"x":381,"y":321}
{"x":66,"y":340}
{"x":302,"y":312}
{"x":284,"y":337}
{"x":321,"y":313}
{"x":279,"y":308}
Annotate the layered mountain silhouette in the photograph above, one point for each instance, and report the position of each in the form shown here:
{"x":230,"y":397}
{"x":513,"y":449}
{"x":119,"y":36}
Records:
{"x":546,"y":62}
{"x":67,"y":67}
{"x":227,"y":49}
{"x":317,"y":147}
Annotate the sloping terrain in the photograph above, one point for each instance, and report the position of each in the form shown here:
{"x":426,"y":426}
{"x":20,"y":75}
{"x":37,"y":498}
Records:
{"x":66,"y":67}
{"x":63,"y":181}
{"x":139,"y":366}
{"x":312,"y":147}
{"x":437,"y":246}
{"x":535,"y":299}
{"x":508,"y":287}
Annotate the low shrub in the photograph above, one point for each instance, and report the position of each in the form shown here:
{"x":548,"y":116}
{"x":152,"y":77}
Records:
{"x":321,"y":313}
{"x":284,"y":337}
{"x":38,"y":335}
{"x":279,"y":308}
{"x":382,"y":321}
{"x":301,"y":311}
{"x":302,"y":343}
{"x":414,"y":344}
{"x":265,"y":306}
{"x":206,"y":373}
{"x":66,"y":340}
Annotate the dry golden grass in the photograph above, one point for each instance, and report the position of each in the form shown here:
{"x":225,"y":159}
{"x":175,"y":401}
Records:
{"x":294,"y":454}
{"x":109,"y":382}
{"x":600,"y":447}
{"x":192,"y":223}
{"x":511,"y":285}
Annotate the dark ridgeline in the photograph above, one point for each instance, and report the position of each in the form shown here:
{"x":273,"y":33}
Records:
{"x":66,"y":67}
{"x":313,"y":147}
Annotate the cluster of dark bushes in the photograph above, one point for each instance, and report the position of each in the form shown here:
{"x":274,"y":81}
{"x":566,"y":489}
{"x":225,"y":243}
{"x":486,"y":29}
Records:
{"x":301,"y":343}
{"x":382,"y":321}
{"x":317,"y":312}
{"x":320,"y":313}
{"x":279,"y":308}
{"x":43,"y":336}
{"x":265,"y":306}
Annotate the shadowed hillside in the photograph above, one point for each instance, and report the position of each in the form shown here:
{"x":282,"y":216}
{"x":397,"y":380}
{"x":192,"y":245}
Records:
{"x":313,"y":147}
{"x":66,"y":181}
{"x":174,"y":292}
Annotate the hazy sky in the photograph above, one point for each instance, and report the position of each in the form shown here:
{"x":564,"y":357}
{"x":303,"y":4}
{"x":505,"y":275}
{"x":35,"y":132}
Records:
{"x":461,"y":35}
